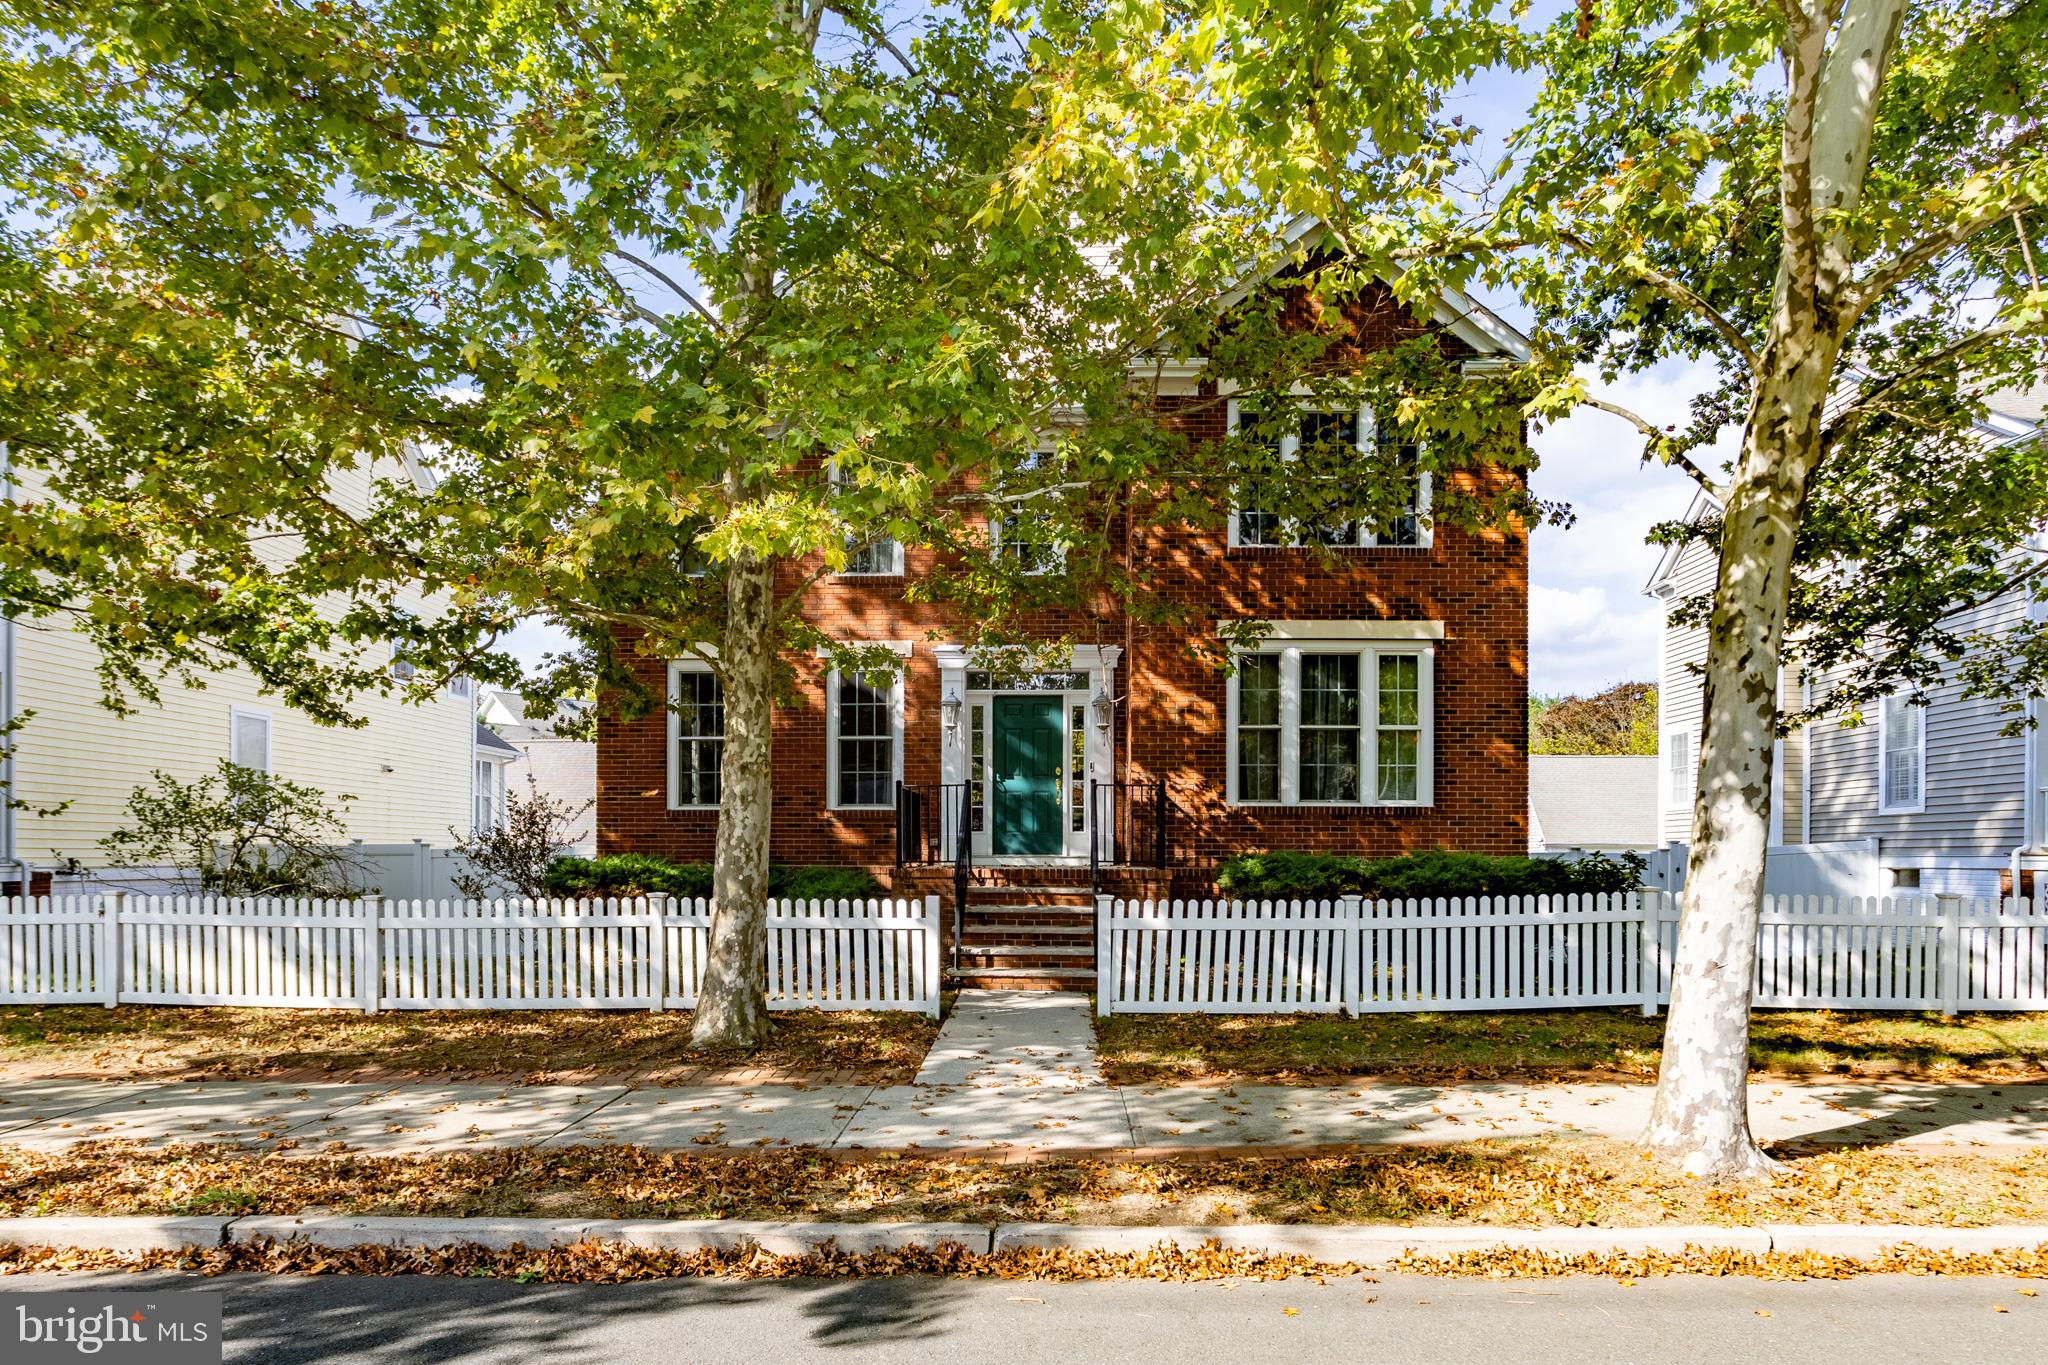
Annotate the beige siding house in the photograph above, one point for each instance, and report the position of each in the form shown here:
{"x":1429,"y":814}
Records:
{"x":409,"y":771}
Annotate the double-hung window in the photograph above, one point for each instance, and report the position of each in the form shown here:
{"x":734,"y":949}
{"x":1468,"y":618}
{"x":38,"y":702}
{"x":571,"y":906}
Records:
{"x":249,"y":738}
{"x":490,"y":808}
{"x":864,"y":748}
{"x":868,"y":554}
{"x":1333,"y":440}
{"x":1902,"y":757}
{"x":1333,"y":723}
{"x":696,"y":727}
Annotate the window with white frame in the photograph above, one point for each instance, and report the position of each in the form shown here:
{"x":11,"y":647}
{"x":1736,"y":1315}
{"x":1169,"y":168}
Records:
{"x":696,"y":727}
{"x":1678,"y":773}
{"x":1333,"y":724}
{"x":1030,"y":540}
{"x":249,"y":738}
{"x":862,"y":748}
{"x":1902,"y":756}
{"x":1254,"y":523}
{"x":870,"y":556}
{"x":489,"y":796}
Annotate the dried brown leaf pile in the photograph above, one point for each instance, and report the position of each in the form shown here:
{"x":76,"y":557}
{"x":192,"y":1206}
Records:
{"x":610,"y":1263}
{"x":156,"y":1042}
{"x":1501,"y":1182}
{"x":1539,"y":1045}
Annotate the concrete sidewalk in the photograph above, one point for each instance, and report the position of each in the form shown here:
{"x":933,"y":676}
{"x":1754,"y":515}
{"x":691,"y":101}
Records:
{"x":1012,"y":1070}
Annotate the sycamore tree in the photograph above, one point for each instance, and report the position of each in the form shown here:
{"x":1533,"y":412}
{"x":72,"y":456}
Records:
{"x":669,"y":308}
{"x":1837,"y":205}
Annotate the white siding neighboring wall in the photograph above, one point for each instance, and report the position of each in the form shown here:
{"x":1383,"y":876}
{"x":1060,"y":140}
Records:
{"x":75,"y":750}
{"x":1684,"y":649}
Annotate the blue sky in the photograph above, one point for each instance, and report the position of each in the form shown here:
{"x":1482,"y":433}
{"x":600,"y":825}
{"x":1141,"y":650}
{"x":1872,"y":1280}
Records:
{"x":1589,"y":623}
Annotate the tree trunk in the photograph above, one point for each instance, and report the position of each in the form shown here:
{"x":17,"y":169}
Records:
{"x":732,"y":1005}
{"x":1699,"y":1121}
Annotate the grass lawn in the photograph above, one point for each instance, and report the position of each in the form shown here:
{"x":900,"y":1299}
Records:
{"x":1556,"y":1044}
{"x":1505,"y":1182}
{"x":156,"y":1042}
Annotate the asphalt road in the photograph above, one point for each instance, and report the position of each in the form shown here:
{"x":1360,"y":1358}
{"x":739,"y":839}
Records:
{"x":291,"y":1319}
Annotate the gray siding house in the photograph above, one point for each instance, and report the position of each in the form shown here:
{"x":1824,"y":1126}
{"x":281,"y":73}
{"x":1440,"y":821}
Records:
{"x":1914,"y":797}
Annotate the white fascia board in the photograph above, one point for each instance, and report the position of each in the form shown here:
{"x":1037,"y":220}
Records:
{"x":1349,"y":630}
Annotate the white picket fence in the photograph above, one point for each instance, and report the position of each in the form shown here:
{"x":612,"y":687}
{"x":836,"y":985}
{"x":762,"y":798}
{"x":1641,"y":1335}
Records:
{"x":375,"y":954}
{"x":1359,"y":957}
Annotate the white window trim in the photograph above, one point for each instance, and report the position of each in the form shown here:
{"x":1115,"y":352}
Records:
{"x":1669,"y":780}
{"x":236,"y":714}
{"x":1919,"y":804}
{"x":1368,"y":745}
{"x":676,"y":668}
{"x":995,"y":544}
{"x":896,"y":569}
{"x":832,"y":801}
{"x":1290,"y":447}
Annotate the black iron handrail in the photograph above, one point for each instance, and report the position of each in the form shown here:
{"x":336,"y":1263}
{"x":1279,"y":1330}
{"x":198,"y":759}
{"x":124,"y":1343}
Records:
{"x":1127,"y":825}
{"x":935,"y":824}
{"x":930,"y":819}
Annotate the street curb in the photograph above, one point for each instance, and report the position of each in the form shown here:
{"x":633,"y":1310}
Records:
{"x":1361,"y":1245}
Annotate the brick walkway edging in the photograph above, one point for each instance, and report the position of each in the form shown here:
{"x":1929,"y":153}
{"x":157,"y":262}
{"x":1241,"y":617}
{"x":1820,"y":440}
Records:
{"x":1364,"y":1245}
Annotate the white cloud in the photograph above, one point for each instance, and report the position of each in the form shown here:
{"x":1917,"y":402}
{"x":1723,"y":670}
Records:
{"x":1584,"y":639}
{"x":1589,"y":624}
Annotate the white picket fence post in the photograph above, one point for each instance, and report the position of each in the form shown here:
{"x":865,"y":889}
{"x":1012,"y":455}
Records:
{"x":1950,"y":952}
{"x":1351,"y":937}
{"x":1650,"y":940}
{"x":111,"y":907}
{"x":932,"y":979}
{"x":1105,"y":976}
{"x":370,"y":952}
{"x":657,"y":951}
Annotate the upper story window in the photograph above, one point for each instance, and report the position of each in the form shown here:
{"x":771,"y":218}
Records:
{"x":869,"y":556}
{"x":1029,"y":540}
{"x":1333,"y":724}
{"x":1325,"y":435}
{"x":696,"y":728}
{"x":1902,"y":756}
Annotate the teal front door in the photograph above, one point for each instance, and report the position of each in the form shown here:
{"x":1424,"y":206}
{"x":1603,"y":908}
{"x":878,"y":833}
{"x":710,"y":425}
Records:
{"x":1026,"y":776}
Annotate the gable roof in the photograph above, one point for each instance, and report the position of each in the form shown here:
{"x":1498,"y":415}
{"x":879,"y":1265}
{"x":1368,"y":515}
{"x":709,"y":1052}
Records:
{"x":1457,"y":312}
{"x":1593,"y":800}
{"x":2014,"y":415}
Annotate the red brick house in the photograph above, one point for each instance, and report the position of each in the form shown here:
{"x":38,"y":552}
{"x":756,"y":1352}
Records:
{"x":1385,"y":713}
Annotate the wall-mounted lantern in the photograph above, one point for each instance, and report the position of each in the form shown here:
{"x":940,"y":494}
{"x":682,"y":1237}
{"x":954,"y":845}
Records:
{"x":949,"y":708}
{"x":1103,"y":708}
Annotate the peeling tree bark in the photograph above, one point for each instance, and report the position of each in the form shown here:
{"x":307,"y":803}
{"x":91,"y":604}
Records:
{"x":732,"y":1005}
{"x":1699,"y":1121}
{"x":1835,"y":67}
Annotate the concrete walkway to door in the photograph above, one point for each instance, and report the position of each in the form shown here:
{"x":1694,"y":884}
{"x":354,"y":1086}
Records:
{"x":1014,"y":1070}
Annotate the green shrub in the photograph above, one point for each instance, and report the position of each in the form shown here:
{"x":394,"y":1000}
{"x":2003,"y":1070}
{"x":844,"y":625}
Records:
{"x":640,"y":874}
{"x":627,"y":874}
{"x":1282,"y":873}
{"x":822,"y":883}
{"x":1436,"y":873}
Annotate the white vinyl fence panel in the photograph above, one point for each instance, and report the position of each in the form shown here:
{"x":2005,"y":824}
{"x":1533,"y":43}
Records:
{"x":1917,"y":952}
{"x":374,"y":954}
